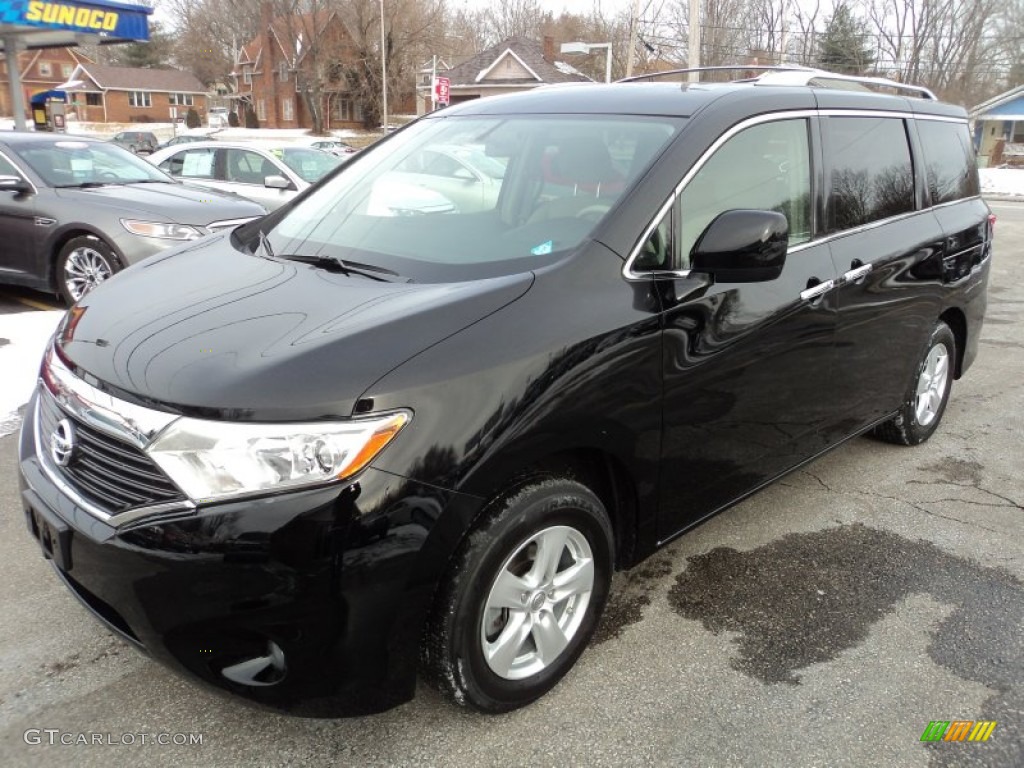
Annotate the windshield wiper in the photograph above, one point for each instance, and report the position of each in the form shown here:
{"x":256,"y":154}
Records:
{"x":88,"y":184}
{"x":335,"y":264}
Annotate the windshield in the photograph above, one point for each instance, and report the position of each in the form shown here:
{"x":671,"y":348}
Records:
{"x":310,"y":164}
{"x":86,"y":163}
{"x":458,"y":198}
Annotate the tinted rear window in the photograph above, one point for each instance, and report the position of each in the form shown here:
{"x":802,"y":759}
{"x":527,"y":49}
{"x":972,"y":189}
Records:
{"x":949,"y":161}
{"x":872,"y":175}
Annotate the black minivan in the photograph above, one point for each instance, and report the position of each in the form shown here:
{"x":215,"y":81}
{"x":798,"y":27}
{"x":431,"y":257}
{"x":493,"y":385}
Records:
{"x":367,"y":436}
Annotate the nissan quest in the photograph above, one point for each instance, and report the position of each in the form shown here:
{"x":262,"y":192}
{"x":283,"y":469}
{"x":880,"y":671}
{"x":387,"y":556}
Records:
{"x":409,"y":424}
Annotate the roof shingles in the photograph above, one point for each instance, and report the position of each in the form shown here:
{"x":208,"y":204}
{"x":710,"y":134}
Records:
{"x":132,"y":79}
{"x":529,"y":51}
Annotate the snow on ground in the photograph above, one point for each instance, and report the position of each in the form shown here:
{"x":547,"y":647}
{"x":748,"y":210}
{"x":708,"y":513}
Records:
{"x":164,"y":131}
{"x":25,"y":334}
{"x":1002,"y":181}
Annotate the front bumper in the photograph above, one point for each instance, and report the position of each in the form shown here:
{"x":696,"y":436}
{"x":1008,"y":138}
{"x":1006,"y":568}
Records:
{"x":334,"y":583}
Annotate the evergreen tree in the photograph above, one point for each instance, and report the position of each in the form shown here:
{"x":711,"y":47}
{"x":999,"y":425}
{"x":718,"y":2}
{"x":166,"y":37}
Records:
{"x":192,"y":118}
{"x":845,"y":45}
{"x":158,"y":53}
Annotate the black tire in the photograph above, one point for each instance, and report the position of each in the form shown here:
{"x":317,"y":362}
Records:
{"x":93,"y":249}
{"x":905,"y":428}
{"x":453,"y":645}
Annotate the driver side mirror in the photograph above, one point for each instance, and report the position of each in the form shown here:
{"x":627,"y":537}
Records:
{"x":277,"y":182}
{"x":14,"y":184}
{"x":742,"y":246}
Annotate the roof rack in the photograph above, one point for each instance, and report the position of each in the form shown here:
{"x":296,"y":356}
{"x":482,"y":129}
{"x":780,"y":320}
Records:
{"x":794,"y":74}
{"x":724,"y":68}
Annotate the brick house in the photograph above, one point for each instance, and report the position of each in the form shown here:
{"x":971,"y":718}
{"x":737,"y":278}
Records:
{"x":41,"y":70}
{"x":130,"y":95}
{"x":270,"y":70}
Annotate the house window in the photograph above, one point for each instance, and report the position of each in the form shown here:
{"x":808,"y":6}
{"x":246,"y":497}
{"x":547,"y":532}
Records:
{"x":348,"y":111}
{"x":247,"y":76}
{"x":93,"y":100}
{"x":288,"y":109}
{"x":45,"y":69}
{"x":180,"y":99}
{"x":140,"y":99}
{"x":261,"y":109}
{"x":282,"y":72}
{"x":67,"y":69}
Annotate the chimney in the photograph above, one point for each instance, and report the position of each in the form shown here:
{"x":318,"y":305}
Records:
{"x":549,"y":49}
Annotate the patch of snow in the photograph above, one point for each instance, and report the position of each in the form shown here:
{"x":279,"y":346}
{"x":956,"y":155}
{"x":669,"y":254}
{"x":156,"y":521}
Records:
{"x":566,"y":69}
{"x":26,"y":334}
{"x":1002,"y":181}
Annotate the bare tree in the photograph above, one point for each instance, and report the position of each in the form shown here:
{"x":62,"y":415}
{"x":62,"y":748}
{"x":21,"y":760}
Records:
{"x":512,"y":18}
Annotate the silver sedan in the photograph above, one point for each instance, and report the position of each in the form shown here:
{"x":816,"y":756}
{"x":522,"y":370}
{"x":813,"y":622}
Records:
{"x":270,"y":174}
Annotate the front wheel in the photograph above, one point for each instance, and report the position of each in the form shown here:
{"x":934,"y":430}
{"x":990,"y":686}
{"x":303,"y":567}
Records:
{"x":523,"y":597}
{"x":926,"y":401}
{"x":82,"y":264}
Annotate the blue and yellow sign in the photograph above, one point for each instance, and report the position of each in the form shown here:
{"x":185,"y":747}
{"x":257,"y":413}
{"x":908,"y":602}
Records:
{"x":125,"y":22}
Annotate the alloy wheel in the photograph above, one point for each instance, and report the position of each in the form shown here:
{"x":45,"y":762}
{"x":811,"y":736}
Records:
{"x":931,"y":385}
{"x":537,"y":602}
{"x":84,"y":269}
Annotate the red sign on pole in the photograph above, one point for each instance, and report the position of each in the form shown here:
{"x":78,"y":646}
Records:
{"x":442,"y":88}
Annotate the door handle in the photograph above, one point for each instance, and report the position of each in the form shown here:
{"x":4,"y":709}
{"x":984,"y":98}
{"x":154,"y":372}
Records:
{"x":856,"y":274}
{"x":817,"y":290}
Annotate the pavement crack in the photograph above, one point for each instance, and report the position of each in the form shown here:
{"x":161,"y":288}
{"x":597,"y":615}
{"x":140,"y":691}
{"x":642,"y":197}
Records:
{"x":976,"y":486}
{"x":813,"y":476}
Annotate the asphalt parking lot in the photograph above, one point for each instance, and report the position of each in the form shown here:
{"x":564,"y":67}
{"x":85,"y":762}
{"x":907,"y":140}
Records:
{"x":824,"y":622}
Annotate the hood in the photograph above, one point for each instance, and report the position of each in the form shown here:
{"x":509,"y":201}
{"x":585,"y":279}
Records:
{"x":212,"y":331}
{"x":163,"y":201}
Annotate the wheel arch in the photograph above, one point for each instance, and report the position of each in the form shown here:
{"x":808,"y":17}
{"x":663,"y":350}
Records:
{"x":62,"y":237}
{"x":956,"y":320}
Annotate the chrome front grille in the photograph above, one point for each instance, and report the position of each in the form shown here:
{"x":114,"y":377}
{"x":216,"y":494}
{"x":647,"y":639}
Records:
{"x":110,"y":473}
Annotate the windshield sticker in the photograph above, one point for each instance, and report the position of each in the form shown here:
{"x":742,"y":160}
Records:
{"x":197,"y":164}
{"x":72,"y":145}
{"x":543,"y":248}
{"x":81,"y":166}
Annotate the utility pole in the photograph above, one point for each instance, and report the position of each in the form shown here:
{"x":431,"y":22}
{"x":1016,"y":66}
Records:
{"x":785,"y":36}
{"x":384,"y":67}
{"x":693,"y":41}
{"x":634,"y":20}
{"x":433,"y":82}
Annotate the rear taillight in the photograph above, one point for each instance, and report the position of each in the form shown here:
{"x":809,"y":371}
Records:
{"x":991,"y":223}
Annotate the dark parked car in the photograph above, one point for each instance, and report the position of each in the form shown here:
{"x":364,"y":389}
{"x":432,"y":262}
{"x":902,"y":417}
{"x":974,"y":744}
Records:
{"x":365,"y":444}
{"x":74,"y":211}
{"x":139,"y":142}
{"x":185,"y":138}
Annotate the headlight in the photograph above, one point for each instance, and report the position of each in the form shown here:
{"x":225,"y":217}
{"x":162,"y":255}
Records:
{"x":213,"y":460}
{"x":164,"y":231}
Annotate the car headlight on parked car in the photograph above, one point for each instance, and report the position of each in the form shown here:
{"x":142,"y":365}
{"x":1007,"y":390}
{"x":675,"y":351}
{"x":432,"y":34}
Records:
{"x":162,"y":230}
{"x":213,"y":460}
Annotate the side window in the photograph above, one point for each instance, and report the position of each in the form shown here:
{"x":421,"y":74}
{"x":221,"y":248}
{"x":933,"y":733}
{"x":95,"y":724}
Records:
{"x":765,"y":167}
{"x":872,"y":176}
{"x":244,"y":167}
{"x":656,"y":253}
{"x":948,"y":161}
{"x":7,"y":168}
